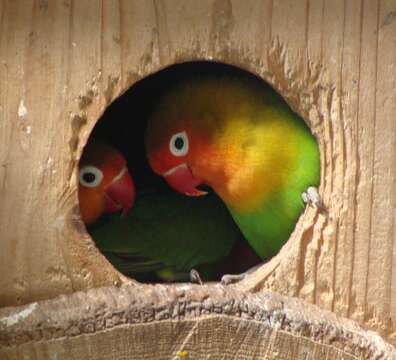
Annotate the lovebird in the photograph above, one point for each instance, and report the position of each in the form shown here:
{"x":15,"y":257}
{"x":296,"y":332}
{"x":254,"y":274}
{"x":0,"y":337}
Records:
{"x":105,"y":185}
{"x":168,"y":234}
{"x":236,"y":135}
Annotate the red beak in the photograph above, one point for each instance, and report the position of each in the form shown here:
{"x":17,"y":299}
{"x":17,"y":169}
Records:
{"x":120,"y":194}
{"x":182,"y":180}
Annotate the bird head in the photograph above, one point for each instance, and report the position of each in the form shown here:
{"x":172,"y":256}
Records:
{"x":194,"y":136}
{"x":172,"y":154}
{"x":186,"y":138}
{"x":105,"y":185}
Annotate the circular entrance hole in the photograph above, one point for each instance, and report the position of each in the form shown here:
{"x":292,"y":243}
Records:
{"x":157,"y":234}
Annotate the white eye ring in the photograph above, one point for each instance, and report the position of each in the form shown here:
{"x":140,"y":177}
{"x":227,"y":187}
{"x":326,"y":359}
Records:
{"x":178,"y":144}
{"x":90,"y":176}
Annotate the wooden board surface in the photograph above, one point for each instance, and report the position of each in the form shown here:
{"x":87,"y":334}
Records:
{"x":182,"y":322}
{"x":62,"y":62}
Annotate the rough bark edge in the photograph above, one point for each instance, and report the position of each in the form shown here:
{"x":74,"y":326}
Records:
{"x":105,"y":308}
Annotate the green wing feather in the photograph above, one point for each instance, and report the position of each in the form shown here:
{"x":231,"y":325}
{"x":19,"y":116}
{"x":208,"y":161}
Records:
{"x":166,"y":230}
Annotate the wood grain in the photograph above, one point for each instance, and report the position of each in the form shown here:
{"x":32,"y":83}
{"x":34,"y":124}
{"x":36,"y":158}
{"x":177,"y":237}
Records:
{"x":62,"y":62}
{"x":185,"y":321}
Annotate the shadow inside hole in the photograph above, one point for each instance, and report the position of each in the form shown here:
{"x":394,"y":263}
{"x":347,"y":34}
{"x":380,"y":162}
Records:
{"x":122,"y":125}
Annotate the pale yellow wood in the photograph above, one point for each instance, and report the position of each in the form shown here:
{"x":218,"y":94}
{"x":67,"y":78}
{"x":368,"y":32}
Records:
{"x":111,"y":50}
{"x":62,"y":62}
{"x":182,"y":322}
{"x":219,"y":338}
{"x":350,"y":71}
{"x":382,"y":248}
{"x":47,"y":65}
{"x":366,"y":114}
{"x":152,"y":342}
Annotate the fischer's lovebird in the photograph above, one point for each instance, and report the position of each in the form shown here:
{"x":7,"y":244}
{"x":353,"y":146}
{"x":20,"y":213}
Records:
{"x":105,"y":185}
{"x":238,"y":136}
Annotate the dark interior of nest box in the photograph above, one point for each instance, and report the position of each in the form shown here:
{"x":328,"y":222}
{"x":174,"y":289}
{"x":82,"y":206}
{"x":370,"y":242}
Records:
{"x":122,"y":125}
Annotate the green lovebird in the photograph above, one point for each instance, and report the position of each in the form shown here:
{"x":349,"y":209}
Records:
{"x":238,"y":136}
{"x":168,"y":234}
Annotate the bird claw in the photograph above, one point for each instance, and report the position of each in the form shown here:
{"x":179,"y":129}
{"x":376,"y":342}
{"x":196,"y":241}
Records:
{"x":234,"y":278}
{"x":194,"y":277}
{"x":311,"y":197}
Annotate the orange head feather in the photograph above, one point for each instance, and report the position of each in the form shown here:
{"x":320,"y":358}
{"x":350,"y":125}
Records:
{"x":105,"y":185}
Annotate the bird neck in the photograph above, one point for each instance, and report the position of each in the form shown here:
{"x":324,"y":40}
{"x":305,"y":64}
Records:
{"x":247,"y":162}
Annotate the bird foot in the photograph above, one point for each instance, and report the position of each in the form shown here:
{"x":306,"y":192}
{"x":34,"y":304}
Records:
{"x":234,"y":278}
{"x":194,"y":277}
{"x":311,"y":197}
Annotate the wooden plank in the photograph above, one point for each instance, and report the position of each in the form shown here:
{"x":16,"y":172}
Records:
{"x":188,"y":37}
{"x":38,"y":145}
{"x":349,"y":129}
{"x":365,"y":146}
{"x":221,"y":338}
{"x":111,"y":62}
{"x":16,"y":24}
{"x":264,"y":33}
{"x":187,"y":321}
{"x":315,"y":66}
{"x":290,"y":28}
{"x":384,"y":167}
{"x":139,"y":37}
{"x":333,"y":30}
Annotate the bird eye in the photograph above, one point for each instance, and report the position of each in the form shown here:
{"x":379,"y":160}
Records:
{"x":178,"y":144}
{"x":90,"y":176}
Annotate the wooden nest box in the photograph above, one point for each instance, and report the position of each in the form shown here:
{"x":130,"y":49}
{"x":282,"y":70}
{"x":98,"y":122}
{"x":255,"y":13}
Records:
{"x":331,"y":289}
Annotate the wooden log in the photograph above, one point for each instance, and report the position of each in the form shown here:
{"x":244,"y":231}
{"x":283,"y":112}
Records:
{"x":182,"y":322}
{"x":63,"y":62}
